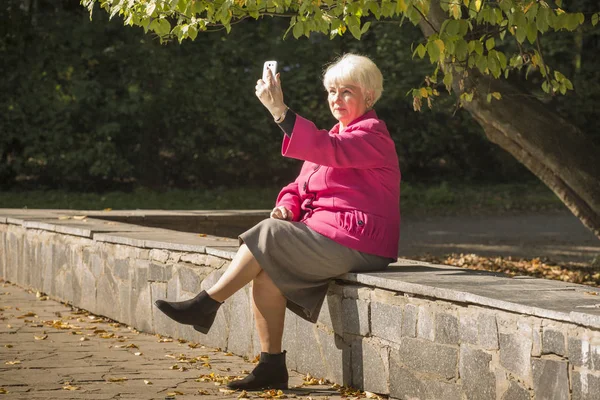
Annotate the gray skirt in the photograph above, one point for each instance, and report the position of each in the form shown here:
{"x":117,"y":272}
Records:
{"x":302,"y":262}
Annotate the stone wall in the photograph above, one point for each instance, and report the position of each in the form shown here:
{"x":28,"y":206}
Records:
{"x":401,"y":343}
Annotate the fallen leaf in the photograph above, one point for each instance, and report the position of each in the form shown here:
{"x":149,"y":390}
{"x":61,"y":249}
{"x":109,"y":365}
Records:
{"x":107,"y":209}
{"x":62,"y":217}
{"x":3,"y":391}
{"x":592,"y":293}
{"x":226,"y":391}
{"x":175,"y":366}
{"x":243,"y":394}
{"x":147,"y":382}
{"x":371,"y":395}
{"x":70,"y":387}
{"x":165,"y":340}
{"x":83,"y":339}
{"x":132,"y":346}
{"x":228,"y":354}
{"x":175,"y":393}
{"x":79,"y":217}
{"x":123,"y":379}
{"x":203,"y":392}
{"x":14,"y":362}
{"x":29,"y":314}
{"x":137,"y":354}
{"x":44,"y":337}
{"x":193,"y":345}
{"x":8,"y":346}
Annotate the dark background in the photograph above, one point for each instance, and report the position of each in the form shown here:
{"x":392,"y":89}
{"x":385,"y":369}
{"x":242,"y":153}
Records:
{"x":96,"y":106}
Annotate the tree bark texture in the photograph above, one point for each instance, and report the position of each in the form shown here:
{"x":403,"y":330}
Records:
{"x":557,"y":152}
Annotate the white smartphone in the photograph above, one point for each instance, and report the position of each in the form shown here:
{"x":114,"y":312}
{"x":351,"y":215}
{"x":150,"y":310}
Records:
{"x":272,"y":65}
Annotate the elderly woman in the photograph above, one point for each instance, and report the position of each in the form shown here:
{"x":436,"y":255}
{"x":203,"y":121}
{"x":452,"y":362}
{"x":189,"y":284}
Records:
{"x":340,"y":215}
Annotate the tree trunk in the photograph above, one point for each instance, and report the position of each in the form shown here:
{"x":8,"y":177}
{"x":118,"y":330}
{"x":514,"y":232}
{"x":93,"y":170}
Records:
{"x":557,"y":152}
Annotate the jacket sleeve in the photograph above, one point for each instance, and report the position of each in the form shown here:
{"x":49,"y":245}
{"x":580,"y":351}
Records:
{"x":366,"y":145}
{"x":289,"y":197}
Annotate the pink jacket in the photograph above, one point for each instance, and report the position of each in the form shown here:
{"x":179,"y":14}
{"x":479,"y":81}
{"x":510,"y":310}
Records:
{"x":349,"y":187}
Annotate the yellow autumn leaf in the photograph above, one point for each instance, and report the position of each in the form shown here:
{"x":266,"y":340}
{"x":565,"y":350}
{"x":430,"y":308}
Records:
{"x":175,"y":393}
{"x":477,"y":5}
{"x":43,"y":337}
{"x":83,"y":339}
{"x":147,"y":382}
{"x":70,"y":387}
{"x":226,"y":391}
{"x":14,"y":362}
{"x":138,"y":353}
{"x":3,"y":391}
{"x":79,"y":217}
{"x":203,"y":392}
{"x":440,"y":44}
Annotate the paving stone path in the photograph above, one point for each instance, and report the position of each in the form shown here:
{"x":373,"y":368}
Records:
{"x":50,"y":351}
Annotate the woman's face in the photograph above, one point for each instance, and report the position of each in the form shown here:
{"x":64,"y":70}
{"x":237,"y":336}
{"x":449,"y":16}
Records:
{"x":346,"y":102}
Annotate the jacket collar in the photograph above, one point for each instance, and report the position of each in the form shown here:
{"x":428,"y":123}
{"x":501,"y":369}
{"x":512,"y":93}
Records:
{"x":367,"y":115}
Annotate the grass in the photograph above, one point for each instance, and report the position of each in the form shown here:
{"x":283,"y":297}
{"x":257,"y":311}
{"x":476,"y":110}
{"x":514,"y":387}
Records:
{"x":438,"y":199}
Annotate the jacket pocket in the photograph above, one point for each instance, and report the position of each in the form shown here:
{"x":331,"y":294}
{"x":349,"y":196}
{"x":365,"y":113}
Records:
{"x":359,"y":223}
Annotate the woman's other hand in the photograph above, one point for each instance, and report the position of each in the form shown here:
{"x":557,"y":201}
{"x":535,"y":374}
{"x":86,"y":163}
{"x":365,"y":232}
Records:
{"x":282,"y":213}
{"x":270,"y":94}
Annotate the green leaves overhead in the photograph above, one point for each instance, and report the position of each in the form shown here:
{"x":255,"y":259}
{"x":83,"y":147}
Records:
{"x":474,"y":35}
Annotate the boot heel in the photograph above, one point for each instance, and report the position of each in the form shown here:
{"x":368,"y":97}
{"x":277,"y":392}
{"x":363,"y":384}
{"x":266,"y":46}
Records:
{"x":201,"y":329}
{"x":280,"y":386}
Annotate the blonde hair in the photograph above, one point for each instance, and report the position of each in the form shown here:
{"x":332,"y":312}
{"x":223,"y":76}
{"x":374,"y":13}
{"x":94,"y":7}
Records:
{"x":358,"y":70}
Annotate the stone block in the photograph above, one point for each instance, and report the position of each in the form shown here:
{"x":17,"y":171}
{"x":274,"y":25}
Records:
{"x":409,"y":320}
{"x":386,"y":321}
{"x":487,"y":329}
{"x":516,"y":392}
{"x":121,"y":269}
{"x":107,"y":295}
{"x":370,"y":366}
{"x":536,"y":337}
{"x":425,"y":326}
{"x":550,"y":379}
{"x":355,"y":316}
{"x":595,"y":354}
{"x":161,"y":256}
{"x":515,"y":354}
{"x":241,"y":322}
{"x":194,"y":258}
{"x":424,"y":356}
{"x":337,"y":356}
{"x":468,"y":326}
{"x":88,"y":288}
{"x":586,"y":386}
{"x":553,"y":342}
{"x":474,"y":368}
{"x":189,"y":279}
{"x":578,"y":352}
{"x":446,"y":328}
{"x":308,"y":352}
{"x":408,"y":384}
{"x":331,"y":313}
{"x":356,"y":292}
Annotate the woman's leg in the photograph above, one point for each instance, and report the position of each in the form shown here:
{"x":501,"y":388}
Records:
{"x":242,"y":270}
{"x":269,"y":311}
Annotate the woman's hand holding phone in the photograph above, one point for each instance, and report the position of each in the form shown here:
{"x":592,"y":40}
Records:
{"x":268,"y":90}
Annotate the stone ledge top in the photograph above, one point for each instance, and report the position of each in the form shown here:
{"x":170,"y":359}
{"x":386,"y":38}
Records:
{"x":544,"y":298}
{"x":555,"y":300}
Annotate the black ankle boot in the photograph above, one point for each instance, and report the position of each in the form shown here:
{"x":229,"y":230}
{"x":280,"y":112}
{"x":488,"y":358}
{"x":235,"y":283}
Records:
{"x":270,"y":373}
{"x":199,"y":311}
